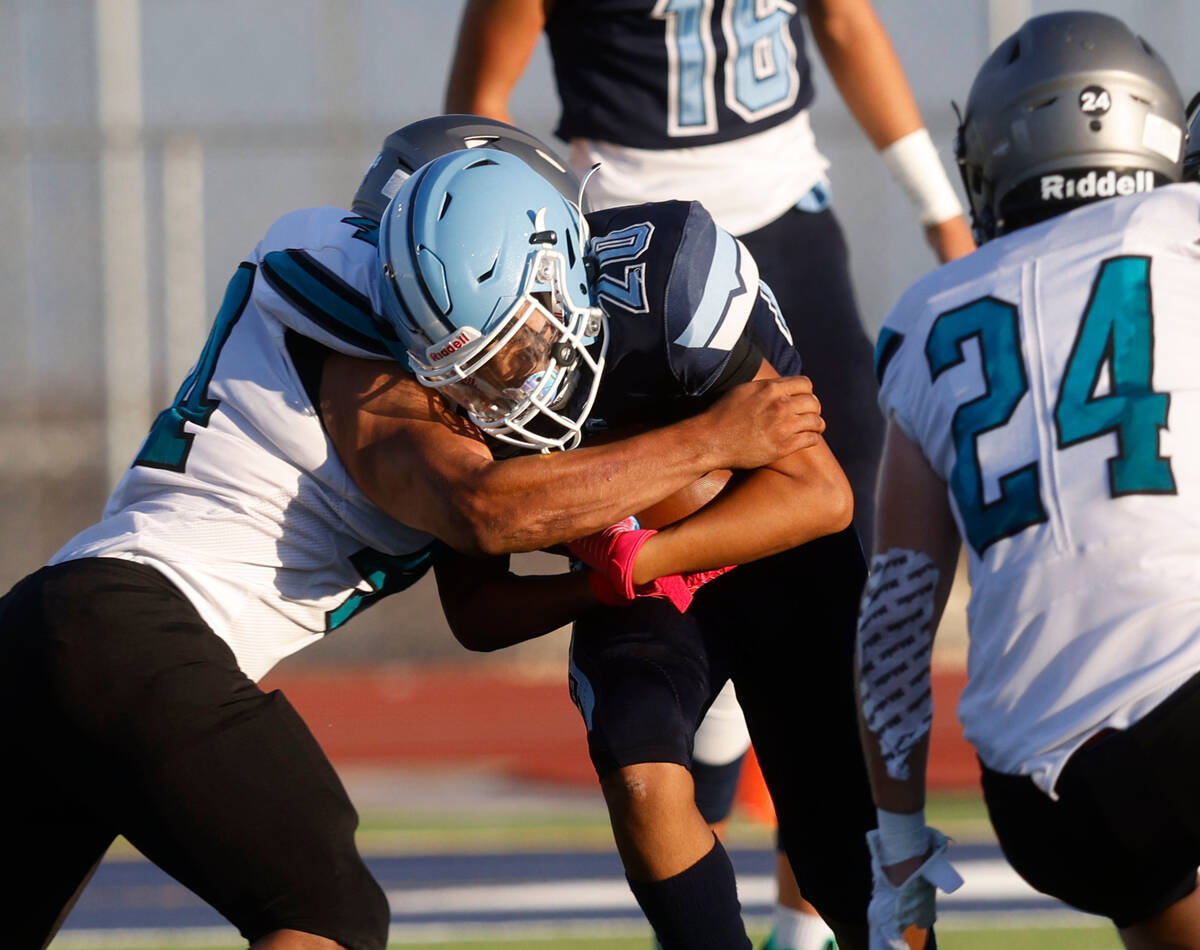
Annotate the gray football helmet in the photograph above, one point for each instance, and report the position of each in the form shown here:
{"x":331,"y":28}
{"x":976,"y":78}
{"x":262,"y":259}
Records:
{"x":410,"y":147}
{"x":1191,"y":155}
{"x":1071,"y":108}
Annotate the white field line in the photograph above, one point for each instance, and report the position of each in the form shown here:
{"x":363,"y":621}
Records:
{"x":984,"y":880}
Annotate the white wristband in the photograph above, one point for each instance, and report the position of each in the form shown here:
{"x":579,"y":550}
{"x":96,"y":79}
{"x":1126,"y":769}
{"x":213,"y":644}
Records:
{"x":913,"y":162}
{"x":901,"y":836}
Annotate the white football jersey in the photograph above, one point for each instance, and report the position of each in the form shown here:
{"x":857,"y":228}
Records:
{"x":237,"y":494}
{"x":1052,"y":379}
{"x":776,"y":168}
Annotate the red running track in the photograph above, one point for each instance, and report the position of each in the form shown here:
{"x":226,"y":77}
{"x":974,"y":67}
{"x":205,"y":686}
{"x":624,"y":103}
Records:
{"x":518,"y":721}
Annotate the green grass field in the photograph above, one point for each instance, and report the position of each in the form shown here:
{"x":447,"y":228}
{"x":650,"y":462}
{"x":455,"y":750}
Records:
{"x":961,"y":816}
{"x":952,"y":938}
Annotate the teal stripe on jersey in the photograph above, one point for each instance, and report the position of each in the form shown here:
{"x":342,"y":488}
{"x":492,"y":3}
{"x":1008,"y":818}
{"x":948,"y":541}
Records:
{"x":326,"y":299}
{"x":885,"y":348}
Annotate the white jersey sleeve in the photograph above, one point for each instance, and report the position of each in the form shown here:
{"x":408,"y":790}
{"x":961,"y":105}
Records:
{"x":1051,"y":380}
{"x":237,"y":494}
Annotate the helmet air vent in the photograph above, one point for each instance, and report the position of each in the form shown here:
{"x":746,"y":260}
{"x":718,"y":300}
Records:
{"x":487,"y":274}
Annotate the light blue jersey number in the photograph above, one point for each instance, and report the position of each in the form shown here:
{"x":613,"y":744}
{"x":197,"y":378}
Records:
{"x":625,"y":244}
{"x":1115,"y":337}
{"x":760,"y":76}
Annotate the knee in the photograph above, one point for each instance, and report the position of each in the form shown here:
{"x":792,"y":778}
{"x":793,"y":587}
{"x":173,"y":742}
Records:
{"x":643,"y":792}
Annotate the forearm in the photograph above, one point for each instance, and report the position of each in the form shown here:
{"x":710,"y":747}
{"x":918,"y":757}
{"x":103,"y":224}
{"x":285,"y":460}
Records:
{"x":905,"y":795}
{"x":486,"y":506}
{"x":864,"y":65}
{"x":871,"y":79}
{"x":763,"y":512}
{"x":514,"y":608}
{"x":907,"y":591}
{"x":430,"y":469}
{"x":495,"y":40}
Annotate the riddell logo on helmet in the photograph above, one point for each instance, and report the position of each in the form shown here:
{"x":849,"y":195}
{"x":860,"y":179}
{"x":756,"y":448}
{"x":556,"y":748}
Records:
{"x":1096,"y":184}
{"x":448,"y":346}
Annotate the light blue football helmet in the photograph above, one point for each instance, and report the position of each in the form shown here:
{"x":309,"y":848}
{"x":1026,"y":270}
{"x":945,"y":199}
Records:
{"x":485,"y":284}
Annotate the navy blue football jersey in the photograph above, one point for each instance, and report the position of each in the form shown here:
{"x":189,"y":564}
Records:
{"x":677,"y":73}
{"x":687,"y":314}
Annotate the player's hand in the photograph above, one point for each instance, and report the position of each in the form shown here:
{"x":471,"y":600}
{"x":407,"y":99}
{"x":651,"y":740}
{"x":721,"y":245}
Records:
{"x":951,"y":239}
{"x":611,"y":554}
{"x":758,"y":422}
{"x":901,"y":897}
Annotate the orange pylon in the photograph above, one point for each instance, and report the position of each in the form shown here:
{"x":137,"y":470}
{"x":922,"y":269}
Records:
{"x":752,"y":795}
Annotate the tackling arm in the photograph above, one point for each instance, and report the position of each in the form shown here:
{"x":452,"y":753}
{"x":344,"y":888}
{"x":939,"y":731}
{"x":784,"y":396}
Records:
{"x":868,"y":73}
{"x":495,"y":40}
{"x":429,"y":469}
{"x":796,"y":499}
{"x":488,"y":607}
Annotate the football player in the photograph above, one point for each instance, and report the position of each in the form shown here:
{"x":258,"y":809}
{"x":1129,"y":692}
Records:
{"x":1043,"y":408}
{"x":711,"y":101}
{"x":299,"y":475}
{"x":550,"y":329}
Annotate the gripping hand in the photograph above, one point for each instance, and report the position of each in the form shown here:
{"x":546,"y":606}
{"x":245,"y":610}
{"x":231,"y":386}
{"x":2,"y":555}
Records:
{"x":894,"y":907}
{"x":611,"y":553}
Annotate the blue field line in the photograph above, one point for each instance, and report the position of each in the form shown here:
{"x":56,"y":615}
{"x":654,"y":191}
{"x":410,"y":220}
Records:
{"x":131,"y":902}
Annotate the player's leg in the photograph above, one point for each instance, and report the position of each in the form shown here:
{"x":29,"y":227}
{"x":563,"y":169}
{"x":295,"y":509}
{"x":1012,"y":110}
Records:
{"x":1123,"y":838}
{"x":793,"y":666}
{"x":718,"y":749}
{"x":218,"y":783}
{"x":1171,"y":929}
{"x":54,"y":837}
{"x":796,"y":924}
{"x":641,"y":679}
{"x":803,"y":258}
{"x":294,"y":940}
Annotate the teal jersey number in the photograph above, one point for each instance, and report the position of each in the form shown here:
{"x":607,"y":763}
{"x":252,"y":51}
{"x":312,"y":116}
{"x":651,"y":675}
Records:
{"x":1116,"y":334}
{"x":168,"y":444}
{"x":386,"y":573}
{"x":993,"y":324}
